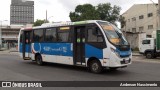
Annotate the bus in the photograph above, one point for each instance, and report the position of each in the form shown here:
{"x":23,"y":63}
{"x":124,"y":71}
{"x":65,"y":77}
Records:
{"x":95,"y":44}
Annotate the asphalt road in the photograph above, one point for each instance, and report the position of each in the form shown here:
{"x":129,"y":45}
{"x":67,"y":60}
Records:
{"x":13,"y":68}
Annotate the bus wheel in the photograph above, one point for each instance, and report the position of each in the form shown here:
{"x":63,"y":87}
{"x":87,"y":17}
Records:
{"x":39,"y":60}
{"x":95,"y":66}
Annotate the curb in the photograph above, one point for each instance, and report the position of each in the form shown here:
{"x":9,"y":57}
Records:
{"x":136,"y":54}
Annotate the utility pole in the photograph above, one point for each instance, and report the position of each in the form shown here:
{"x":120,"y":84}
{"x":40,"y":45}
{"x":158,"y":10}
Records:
{"x":46,"y":16}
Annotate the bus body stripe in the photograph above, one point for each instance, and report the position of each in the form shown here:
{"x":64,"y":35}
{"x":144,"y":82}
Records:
{"x":63,"y":49}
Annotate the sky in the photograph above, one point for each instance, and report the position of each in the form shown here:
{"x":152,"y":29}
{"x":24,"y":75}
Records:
{"x":58,"y":10}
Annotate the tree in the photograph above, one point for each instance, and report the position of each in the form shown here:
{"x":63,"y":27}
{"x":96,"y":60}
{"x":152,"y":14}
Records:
{"x":84,"y":12}
{"x":39,"y":22}
{"x":122,"y":21}
{"x":108,"y":13}
{"x":89,"y":12}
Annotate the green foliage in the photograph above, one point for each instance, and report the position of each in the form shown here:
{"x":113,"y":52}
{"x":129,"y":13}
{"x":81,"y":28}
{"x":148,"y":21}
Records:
{"x":89,"y":12}
{"x":122,"y":21}
{"x":84,"y":12}
{"x":108,"y":13}
{"x":39,"y":22}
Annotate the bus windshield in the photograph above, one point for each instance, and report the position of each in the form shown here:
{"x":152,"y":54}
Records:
{"x":113,"y":34}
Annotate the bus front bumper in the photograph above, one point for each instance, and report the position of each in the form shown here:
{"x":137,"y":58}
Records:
{"x":118,"y":62}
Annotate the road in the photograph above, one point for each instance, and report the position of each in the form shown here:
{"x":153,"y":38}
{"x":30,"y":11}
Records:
{"x":13,"y":68}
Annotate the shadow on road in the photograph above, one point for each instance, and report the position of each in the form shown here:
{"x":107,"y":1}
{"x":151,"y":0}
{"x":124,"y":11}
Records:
{"x":118,"y":72}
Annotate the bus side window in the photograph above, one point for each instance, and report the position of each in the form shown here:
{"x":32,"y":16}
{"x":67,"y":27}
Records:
{"x":50,"y":35}
{"x":94,"y":35}
{"x":38,"y":35}
{"x":64,"y":34}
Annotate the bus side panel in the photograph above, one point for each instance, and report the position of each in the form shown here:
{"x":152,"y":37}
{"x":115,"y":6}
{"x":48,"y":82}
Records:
{"x":55,"y":52}
{"x":66,"y":53}
{"x":48,"y":51}
{"x":63,"y":49}
{"x":91,"y":51}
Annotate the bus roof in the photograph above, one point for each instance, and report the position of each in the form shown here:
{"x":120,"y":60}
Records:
{"x":56,"y":24}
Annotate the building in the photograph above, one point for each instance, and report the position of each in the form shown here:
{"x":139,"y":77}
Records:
{"x":140,"y":19}
{"x":21,"y":12}
{"x":10,"y":35}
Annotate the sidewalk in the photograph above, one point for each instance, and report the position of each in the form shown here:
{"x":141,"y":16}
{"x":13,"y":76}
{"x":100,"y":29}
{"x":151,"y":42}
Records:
{"x":136,"y":53}
{"x":12,"y":51}
{"x":8,"y":52}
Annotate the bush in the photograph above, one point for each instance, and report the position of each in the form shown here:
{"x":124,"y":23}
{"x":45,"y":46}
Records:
{"x":135,"y":49}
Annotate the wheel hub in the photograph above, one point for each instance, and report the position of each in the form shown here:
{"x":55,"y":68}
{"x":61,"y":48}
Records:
{"x":95,"y":67}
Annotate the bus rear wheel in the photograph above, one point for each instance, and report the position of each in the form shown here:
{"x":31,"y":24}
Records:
{"x":95,"y":67}
{"x":39,"y":60}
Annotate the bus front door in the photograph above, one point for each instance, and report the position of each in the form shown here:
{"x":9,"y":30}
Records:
{"x":26,"y":46}
{"x":79,"y":45}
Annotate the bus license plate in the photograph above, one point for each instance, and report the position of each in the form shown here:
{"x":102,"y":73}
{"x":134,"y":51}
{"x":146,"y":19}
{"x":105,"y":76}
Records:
{"x":126,"y":61}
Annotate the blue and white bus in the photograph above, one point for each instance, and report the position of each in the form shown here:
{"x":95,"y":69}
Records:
{"x":94,"y":44}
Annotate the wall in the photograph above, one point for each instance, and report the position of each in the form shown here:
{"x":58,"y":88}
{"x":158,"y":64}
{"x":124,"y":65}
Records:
{"x":134,"y":12}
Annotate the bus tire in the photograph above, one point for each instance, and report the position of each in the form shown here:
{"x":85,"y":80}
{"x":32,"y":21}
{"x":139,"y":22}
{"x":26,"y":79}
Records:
{"x":95,"y":66}
{"x":39,"y":60}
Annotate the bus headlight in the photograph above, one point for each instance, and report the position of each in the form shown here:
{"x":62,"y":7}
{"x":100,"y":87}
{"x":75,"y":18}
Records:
{"x":114,"y":51}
